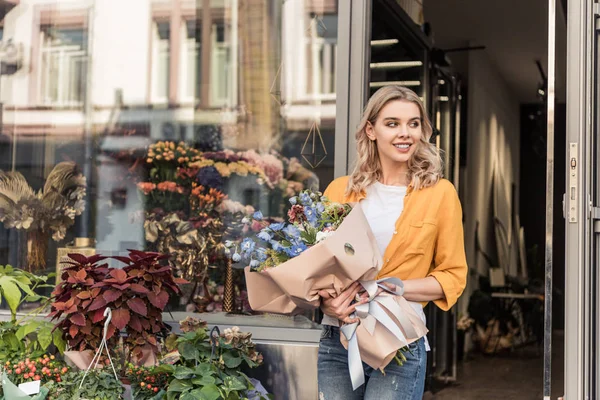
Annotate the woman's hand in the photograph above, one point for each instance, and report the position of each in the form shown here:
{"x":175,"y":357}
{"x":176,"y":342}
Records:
{"x":340,"y":307}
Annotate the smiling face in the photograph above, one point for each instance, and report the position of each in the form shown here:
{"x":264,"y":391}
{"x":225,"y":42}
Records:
{"x":397,"y":133}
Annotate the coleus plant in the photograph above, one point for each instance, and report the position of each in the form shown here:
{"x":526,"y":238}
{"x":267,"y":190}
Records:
{"x":137,"y":295}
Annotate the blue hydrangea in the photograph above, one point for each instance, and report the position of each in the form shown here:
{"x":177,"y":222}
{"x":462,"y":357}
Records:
{"x":257,"y":215}
{"x":320,"y":207}
{"x":292,"y":232}
{"x":261,"y":254}
{"x":293,"y":200}
{"x":296,"y":249}
{"x":209,"y":177}
{"x":276,"y":227}
{"x":236,"y":257}
{"x":305,"y":199}
{"x":264,"y":235}
{"x":254,"y":263}
{"x":311,"y":215}
{"x":276,"y":245}
{"x":247,"y":246}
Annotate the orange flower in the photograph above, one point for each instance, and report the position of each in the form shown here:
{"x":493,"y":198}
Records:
{"x":146,"y":187}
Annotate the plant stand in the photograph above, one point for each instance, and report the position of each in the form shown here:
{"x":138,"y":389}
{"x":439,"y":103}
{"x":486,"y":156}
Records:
{"x":229,"y":289}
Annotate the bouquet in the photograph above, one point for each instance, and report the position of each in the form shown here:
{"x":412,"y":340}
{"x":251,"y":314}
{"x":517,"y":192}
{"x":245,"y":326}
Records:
{"x":326,"y":246}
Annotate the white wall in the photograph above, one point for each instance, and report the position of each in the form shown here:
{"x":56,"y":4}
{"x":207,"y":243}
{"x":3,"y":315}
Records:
{"x":493,"y":141}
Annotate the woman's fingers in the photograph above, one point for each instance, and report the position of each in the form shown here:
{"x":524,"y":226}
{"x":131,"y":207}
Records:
{"x":351,"y":297}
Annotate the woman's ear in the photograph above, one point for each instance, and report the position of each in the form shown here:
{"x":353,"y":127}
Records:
{"x":370,"y":131}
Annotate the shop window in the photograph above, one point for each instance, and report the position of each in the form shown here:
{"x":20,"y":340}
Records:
{"x":63,"y":65}
{"x":161,"y":48}
{"x":322,"y":48}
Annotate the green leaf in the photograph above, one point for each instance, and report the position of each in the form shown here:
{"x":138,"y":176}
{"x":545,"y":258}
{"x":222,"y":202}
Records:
{"x":31,"y":299}
{"x":26,"y":329}
{"x":44,"y":338}
{"x":26,"y":287}
{"x":59,"y":341}
{"x":193,"y":395}
{"x":234,"y":383}
{"x":204,"y":380}
{"x":183,"y":373}
{"x":178,"y":385}
{"x":188,"y":351}
{"x":11,"y":292}
{"x":211,"y":392}
{"x":231,"y":361}
{"x":203,"y":369}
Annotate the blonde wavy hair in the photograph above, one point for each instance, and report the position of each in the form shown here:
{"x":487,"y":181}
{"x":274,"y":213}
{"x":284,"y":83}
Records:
{"x":424,"y":167}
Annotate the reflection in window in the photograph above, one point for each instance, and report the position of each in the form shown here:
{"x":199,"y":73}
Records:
{"x":192,"y":50}
{"x":161,"y":34}
{"x":220,"y":66}
{"x":63,"y":65}
{"x":322,"y":46}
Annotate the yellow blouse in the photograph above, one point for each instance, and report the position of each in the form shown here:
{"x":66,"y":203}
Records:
{"x":428,"y":240}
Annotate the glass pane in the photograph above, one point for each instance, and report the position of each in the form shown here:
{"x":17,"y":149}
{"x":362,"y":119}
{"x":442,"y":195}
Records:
{"x":252,"y":117}
{"x":395,"y":58}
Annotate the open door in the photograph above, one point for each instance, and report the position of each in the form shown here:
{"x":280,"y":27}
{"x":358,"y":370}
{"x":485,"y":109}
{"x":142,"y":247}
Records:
{"x":582,"y":199}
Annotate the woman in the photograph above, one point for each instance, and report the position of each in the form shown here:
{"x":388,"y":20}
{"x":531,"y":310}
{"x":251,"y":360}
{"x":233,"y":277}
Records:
{"x":417,"y":220}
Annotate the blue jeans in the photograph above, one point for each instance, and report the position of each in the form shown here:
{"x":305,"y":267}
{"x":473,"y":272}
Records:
{"x":404,"y":382}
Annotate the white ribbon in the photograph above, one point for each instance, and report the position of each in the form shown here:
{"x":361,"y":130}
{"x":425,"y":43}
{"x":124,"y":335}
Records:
{"x":103,"y":345}
{"x":369,"y":314}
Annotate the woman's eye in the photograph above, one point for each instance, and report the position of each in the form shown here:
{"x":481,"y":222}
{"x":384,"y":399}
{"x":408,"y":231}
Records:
{"x":414,"y":125}
{"x":392,"y":124}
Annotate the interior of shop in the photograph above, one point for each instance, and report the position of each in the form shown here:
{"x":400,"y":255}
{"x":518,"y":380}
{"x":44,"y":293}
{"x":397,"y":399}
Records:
{"x":482,"y":68}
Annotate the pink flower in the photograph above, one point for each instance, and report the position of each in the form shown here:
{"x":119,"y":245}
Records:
{"x":296,"y":214}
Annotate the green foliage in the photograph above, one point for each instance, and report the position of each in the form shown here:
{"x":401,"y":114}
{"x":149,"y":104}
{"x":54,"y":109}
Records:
{"x":18,"y":286}
{"x":206,"y":374}
{"x":98,"y":385}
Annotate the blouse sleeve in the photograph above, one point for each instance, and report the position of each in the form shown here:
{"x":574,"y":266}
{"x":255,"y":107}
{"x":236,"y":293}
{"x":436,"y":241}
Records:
{"x":450,"y":263}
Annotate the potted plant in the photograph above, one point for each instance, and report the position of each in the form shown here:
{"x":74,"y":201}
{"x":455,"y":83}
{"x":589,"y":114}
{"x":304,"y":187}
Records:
{"x":209,"y":365}
{"x":137,"y":295}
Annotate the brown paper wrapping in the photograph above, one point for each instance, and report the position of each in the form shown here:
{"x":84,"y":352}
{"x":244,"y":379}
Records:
{"x":329,"y":265}
{"x":294,"y":285}
{"x":379,"y":349}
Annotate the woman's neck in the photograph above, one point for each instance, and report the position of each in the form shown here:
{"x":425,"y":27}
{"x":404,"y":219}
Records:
{"x":399,"y":177}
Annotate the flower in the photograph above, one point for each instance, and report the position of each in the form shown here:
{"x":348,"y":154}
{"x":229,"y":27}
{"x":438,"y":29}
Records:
{"x":190,"y":324}
{"x":257,"y":215}
{"x":254,"y":263}
{"x":296,"y":214}
{"x":146,"y":187}
{"x":210,"y":177}
{"x":264,"y":235}
{"x":293,"y":200}
{"x":276,"y":227}
{"x":236,"y":257}
{"x":296,"y":249}
{"x":305,"y":199}
{"x":311,"y":215}
{"x":292,"y":232}
{"x":247,"y":245}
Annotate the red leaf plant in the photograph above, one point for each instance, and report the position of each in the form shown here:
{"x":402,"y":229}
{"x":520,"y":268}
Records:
{"x":136,"y":293}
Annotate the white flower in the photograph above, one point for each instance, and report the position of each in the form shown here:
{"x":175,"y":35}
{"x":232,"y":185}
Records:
{"x":323,"y":235}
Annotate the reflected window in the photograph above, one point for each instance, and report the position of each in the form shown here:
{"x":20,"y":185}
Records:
{"x":192,"y":65}
{"x":63,"y":65}
{"x":161,"y":47}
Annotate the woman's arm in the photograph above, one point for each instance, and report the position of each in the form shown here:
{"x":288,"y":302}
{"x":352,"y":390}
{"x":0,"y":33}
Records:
{"x":424,"y":289}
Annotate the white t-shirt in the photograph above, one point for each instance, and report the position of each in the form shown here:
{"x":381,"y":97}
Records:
{"x":382,"y":207}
